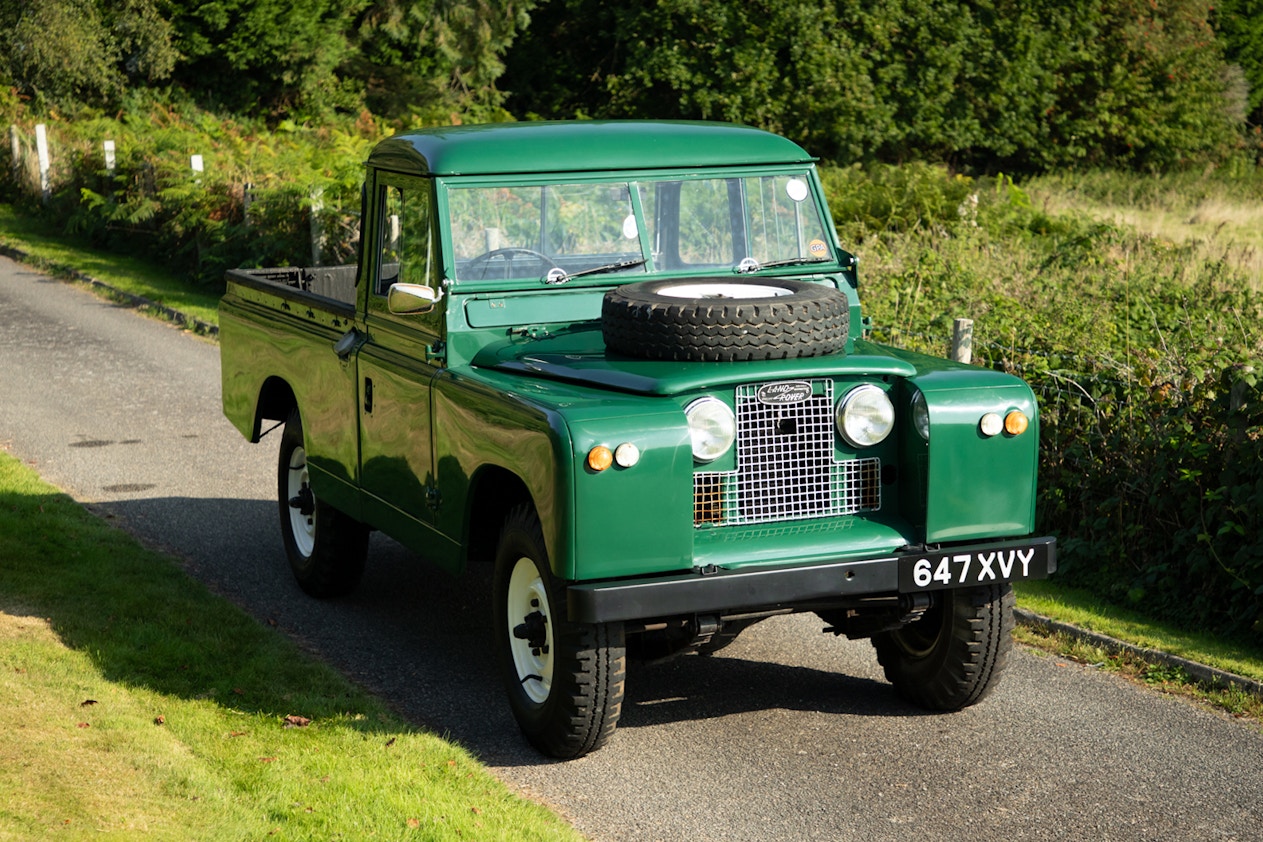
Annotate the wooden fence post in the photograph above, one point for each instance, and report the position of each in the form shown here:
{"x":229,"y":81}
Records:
{"x":247,"y":199}
{"x":963,"y":340}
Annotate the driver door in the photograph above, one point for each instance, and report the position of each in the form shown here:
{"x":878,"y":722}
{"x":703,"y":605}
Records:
{"x":395,"y":363}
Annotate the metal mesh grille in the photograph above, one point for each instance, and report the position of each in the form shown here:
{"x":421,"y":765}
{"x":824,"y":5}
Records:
{"x":785,"y":467}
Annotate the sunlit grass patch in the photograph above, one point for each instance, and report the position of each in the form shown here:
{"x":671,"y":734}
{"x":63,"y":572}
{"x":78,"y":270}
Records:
{"x":135,"y":704}
{"x":1086,"y":610}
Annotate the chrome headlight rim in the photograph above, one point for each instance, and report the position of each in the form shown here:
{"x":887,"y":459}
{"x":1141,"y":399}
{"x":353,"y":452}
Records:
{"x":865,"y":417}
{"x":712,"y":428}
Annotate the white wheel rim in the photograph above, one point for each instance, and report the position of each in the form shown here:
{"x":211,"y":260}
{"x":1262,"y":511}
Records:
{"x":527,"y":595}
{"x":301,"y":526}
{"x":719,"y":289}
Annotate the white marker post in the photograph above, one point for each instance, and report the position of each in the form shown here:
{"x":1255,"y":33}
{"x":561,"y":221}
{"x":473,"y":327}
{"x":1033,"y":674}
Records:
{"x":108,"y":146}
{"x":41,"y":149}
{"x":15,"y":149}
{"x":317,"y":227}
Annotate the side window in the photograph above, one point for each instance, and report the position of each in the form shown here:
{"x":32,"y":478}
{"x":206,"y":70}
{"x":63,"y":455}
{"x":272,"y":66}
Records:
{"x":406,"y":246}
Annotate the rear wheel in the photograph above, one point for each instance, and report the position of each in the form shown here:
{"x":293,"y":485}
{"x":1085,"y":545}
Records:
{"x":326,"y":548}
{"x":953,"y":655}
{"x":564,"y":680}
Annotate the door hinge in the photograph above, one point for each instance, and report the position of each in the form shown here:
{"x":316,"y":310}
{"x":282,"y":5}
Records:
{"x":433,"y":499}
{"x":349,"y":344}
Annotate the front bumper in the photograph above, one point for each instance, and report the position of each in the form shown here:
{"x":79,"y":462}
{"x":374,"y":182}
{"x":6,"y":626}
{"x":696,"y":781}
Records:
{"x":719,"y":591}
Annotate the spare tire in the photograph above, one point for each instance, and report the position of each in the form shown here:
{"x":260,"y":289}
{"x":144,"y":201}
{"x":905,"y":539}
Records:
{"x":725,"y":319}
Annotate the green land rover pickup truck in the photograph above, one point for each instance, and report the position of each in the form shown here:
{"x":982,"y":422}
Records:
{"x":625,"y":363}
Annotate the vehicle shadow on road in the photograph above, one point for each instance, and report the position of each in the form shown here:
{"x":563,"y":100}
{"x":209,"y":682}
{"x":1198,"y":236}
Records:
{"x":694,"y":687}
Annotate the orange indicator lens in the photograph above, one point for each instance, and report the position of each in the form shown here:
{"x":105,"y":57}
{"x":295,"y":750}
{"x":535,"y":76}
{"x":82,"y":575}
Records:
{"x":1015,"y":423}
{"x":600,"y":458}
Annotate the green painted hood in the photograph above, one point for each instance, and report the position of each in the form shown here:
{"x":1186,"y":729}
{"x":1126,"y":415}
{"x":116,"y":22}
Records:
{"x":579,"y":356}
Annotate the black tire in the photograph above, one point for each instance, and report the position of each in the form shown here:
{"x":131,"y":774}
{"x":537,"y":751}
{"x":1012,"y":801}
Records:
{"x":326,"y":548}
{"x":729,"y":319}
{"x":953,"y":656}
{"x":564,"y":680}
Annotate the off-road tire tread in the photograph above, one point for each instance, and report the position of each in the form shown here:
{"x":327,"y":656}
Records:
{"x":590,"y":664}
{"x":340,"y":552}
{"x":637,"y":321}
{"x":969,"y":657}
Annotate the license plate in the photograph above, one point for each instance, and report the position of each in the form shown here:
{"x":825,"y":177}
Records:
{"x":963,"y":567}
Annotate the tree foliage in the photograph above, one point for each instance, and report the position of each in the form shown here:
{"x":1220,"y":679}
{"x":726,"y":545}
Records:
{"x":1011,"y":85}
{"x":1018,"y":84}
{"x":424,"y":57}
{"x":1240,"y":24}
{"x":68,"y":51}
{"x":279,"y":56}
{"x":406,"y":60}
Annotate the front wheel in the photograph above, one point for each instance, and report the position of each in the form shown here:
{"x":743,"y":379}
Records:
{"x":564,"y":680}
{"x":326,"y":548}
{"x":953,"y":655}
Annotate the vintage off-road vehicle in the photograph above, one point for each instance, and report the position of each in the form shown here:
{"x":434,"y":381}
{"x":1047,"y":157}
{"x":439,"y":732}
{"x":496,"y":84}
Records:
{"x":625,"y":362}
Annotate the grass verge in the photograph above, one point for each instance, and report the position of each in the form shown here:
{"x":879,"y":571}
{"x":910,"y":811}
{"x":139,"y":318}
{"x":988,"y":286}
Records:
{"x":134,"y":703}
{"x":62,"y":255}
{"x":1087,"y":611}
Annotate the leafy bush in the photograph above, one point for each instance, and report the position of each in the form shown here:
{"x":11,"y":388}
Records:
{"x":198,"y":223}
{"x":885,"y":198}
{"x":1147,"y":359}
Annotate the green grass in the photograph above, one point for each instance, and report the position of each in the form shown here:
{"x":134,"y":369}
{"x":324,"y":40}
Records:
{"x":135,"y":704}
{"x":61,"y":254}
{"x":1222,"y":215}
{"x":1086,"y":610}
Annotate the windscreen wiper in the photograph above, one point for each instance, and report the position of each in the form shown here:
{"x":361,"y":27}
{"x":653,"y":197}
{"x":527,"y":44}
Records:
{"x":557,"y":275}
{"x":749,"y":264}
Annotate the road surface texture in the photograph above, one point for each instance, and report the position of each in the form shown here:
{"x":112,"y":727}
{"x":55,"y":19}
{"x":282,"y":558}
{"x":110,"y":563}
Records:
{"x":788,"y":734}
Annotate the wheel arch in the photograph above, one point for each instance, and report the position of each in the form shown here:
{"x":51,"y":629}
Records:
{"x":494,"y":491}
{"x":275,"y":402}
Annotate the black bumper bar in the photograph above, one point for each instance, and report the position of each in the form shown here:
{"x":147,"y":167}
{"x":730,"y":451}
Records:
{"x":726,"y":591}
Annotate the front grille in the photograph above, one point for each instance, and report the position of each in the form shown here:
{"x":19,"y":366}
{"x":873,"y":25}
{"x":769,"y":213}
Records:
{"x":785,"y":466}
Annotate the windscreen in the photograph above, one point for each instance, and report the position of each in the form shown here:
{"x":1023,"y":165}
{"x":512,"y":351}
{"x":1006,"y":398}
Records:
{"x":690,"y":224}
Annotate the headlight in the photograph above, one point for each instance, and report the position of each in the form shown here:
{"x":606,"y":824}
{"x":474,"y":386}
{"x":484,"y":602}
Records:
{"x":712,"y":426}
{"x":865,"y":416}
{"x":921,"y":415}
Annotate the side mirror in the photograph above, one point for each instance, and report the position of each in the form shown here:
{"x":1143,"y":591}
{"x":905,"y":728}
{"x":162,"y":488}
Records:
{"x":411,"y":299}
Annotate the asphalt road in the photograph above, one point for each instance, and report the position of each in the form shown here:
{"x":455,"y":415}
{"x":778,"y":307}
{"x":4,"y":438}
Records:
{"x":786,"y":734}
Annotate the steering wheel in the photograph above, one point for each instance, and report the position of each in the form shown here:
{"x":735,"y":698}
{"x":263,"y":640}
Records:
{"x":484,"y":260}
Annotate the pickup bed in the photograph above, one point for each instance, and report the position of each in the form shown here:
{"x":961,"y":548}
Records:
{"x":626,"y":364}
